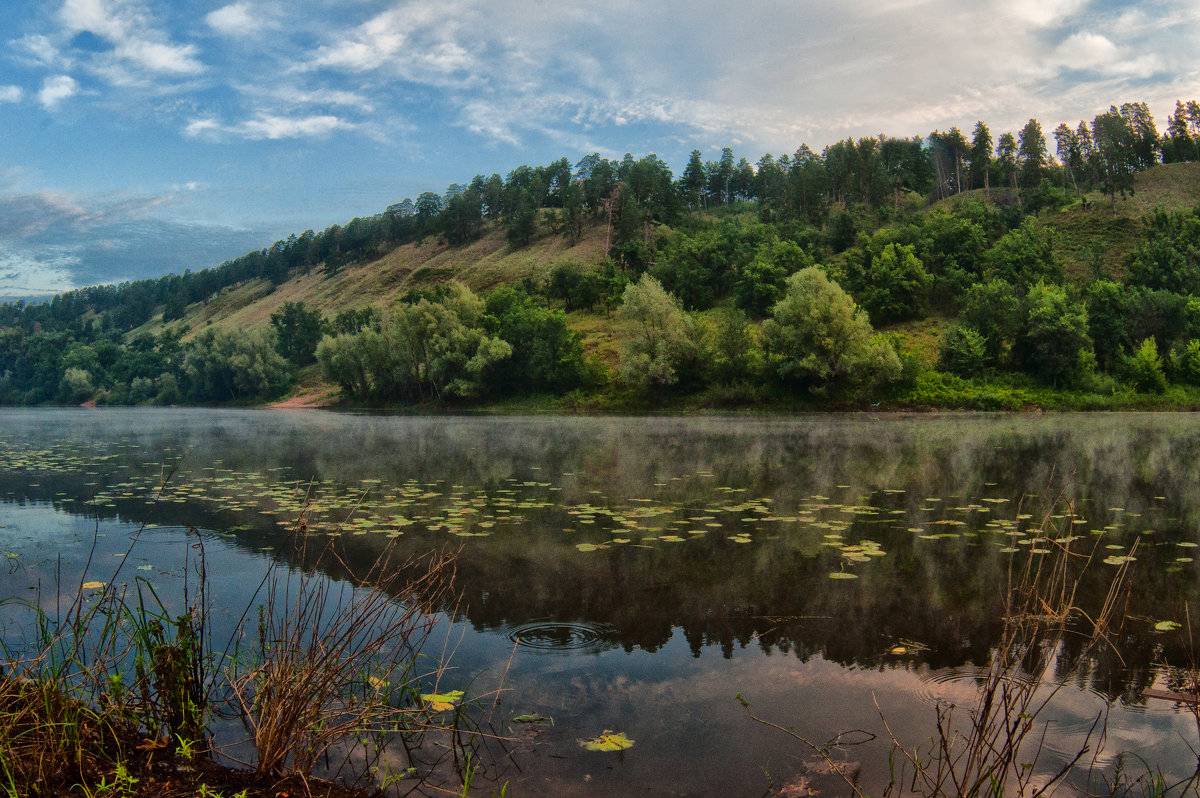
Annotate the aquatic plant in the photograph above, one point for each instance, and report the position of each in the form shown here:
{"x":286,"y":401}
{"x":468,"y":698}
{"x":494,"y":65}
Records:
{"x":103,"y":688}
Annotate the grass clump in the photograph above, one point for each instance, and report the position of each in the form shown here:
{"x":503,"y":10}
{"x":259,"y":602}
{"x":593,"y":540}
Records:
{"x":116,"y":696}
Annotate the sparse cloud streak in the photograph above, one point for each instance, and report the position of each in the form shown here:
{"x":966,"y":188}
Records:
{"x":320,"y":111}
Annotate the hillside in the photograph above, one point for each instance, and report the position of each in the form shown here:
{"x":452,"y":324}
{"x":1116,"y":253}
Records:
{"x":482,"y":265}
{"x":988,"y":298}
{"x":1082,"y":234}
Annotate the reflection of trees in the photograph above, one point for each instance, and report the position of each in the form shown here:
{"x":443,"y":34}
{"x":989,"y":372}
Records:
{"x":773,"y":595}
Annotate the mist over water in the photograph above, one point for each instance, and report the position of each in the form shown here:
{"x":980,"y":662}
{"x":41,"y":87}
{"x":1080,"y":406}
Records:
{"x":634,"y":574}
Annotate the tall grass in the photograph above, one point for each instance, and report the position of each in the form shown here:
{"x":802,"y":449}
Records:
{"x":335,"y":662}
{"x":103,"y":687}
{"x":992,"y":748}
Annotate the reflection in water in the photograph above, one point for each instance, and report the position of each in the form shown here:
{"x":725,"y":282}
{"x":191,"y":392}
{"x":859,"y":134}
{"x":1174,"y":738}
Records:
{"x":669,"y":562}
{"x":553,"y":635}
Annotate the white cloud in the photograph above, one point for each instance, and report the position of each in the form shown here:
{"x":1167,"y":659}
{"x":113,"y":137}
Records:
{"x":38,"y":49}
{"x":159,"y":57}
{"x":419,"y":41}
{"x":134,"y":37}
{"x":11,"y":94}
{"x":233,"y":20}
{"x":1087,"y":51}
{"x":1041,"y":13}
{"x":56,"y":89}
{"x":271,"y":127}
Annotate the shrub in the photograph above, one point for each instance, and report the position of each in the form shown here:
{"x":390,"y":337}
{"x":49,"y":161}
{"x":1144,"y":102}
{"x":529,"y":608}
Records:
{"x":1144,"y":368}
{"x":963,"y":352}
{"x":819,"y":339}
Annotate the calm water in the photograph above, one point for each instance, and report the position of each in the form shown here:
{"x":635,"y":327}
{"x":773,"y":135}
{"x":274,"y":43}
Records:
{"x":635,"y":574}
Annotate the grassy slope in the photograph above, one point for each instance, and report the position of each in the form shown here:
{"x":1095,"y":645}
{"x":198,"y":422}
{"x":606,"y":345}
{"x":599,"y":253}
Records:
{"x":489,"y":262}
{"x":482,"y":265}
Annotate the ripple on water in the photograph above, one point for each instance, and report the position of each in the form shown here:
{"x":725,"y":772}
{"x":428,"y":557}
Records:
{"x":1073,"y":719}
{"x":574,"y":636}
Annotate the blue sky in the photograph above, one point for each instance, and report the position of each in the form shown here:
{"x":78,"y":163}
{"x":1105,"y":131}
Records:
{"x":141,"y":137}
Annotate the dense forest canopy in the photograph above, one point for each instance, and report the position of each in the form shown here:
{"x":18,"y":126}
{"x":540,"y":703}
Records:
{"x":741,"y":281}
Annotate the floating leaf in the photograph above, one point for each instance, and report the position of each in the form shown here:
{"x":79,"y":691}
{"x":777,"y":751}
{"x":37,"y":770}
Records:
{"x":93,"y":585}
{"x":607,"y":741}
{"x":440,"y":702}
{"x":145,"y":567}
{"x":842,"y":575}
{"x":1166,"y":626}
{"x":532,"y":717}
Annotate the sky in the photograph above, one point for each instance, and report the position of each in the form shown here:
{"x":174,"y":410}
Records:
{"x":143,"y":137}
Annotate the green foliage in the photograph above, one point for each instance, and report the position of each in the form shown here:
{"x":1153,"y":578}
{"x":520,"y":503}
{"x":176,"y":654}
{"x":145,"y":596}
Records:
{"x":298,"y":330}
{"x":1185,"y":363}
{"x":817,"y":338}
{"x":1023,"y":256}
{"x":75,"y":386}
{"x":573,"y":285}
{"x":1054,"y":344}
{"x":761,"y":283}
{"x":222,"y":367}
{"x":895,"y":285}
{"x":546,"y":354}
{"x":963,"y":351}
{"x":1108,"y":311}
{"x":736,"y":356}
{"x":993,"y":310}
{"x":664,"y":347}
{"x":1144,"y":368}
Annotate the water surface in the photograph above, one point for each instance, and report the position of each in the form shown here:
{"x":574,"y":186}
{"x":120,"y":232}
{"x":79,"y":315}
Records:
{"x":635,"y":574}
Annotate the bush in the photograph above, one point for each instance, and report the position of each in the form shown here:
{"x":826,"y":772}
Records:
{"x":963,"y":351}
{"x":1185,"y":363}
{"x":1144,"y":368}
{"x":819,"y":339}
{"x":665,"y":347}
{"x":222,"y":367}
{"x":1055,"y":339}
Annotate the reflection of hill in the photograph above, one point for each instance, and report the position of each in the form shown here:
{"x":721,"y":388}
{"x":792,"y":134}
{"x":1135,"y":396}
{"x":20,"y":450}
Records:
{"x":774,"y":593}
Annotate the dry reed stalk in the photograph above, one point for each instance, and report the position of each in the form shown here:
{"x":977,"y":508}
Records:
{"x":334,"y":659}
{"x":994,"y":751}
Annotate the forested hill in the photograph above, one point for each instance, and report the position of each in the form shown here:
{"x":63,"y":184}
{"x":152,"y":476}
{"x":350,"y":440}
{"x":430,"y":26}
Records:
{"x":945,"y":270}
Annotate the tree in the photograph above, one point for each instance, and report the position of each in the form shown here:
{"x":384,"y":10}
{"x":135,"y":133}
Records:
{"x":1023,"y":256}
{"x":992,"y":310}
{"x":818,"y":339}
{"x":664,"y":346}
{"x":963,"y":351}
{"x":895,"y":285}
{"x":1031,"y":154}
{"x":224,"y":366}
{"x":546,"y":354}
{"x":981,"y":156}
{"x":1069,"y":153}
{"x":761,"y":282}
{"x":1055,"y":335}
{"x":298,"y":330}
{"x":1144,"y":368}
{"x":1006,"y":159}
{"x":1113,"y":158}
{"x":693,"y":180}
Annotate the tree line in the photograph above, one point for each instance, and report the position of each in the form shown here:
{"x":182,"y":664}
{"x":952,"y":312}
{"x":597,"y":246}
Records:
{"x":725,"y":233}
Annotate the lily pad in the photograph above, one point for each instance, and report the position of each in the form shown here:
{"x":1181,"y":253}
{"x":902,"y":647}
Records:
{"x":1166,"y":626}
{"x":608,"y":741}
{"x":440,"y":702}
{"x":532,"y":717}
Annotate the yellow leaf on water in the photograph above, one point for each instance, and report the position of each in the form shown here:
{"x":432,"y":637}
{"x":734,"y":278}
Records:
{"x":440,"y":702}
{"x":607,"y":741}
{"x":93,"y":585}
